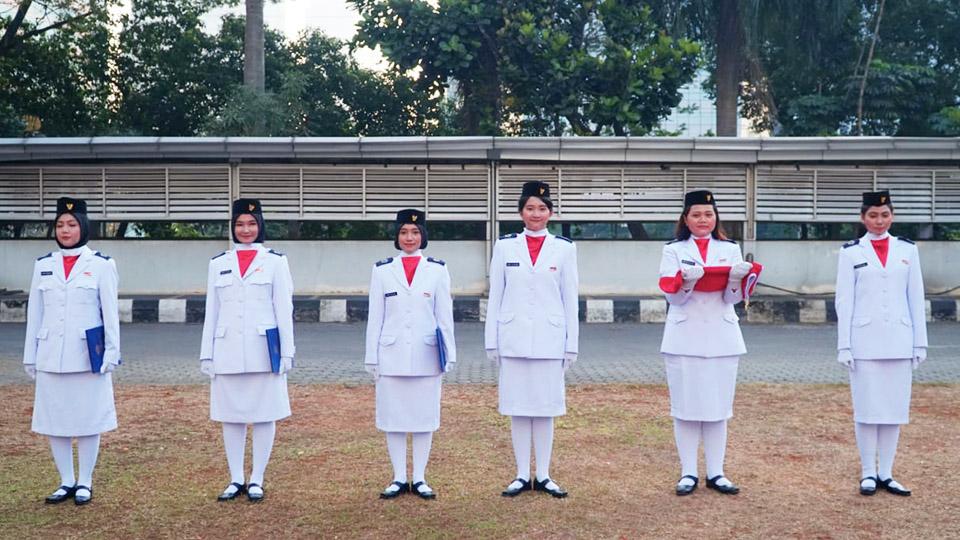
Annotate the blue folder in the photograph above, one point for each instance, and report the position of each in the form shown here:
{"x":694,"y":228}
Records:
{"x":442,"y":349}
{"x":273,"y":348}
{"x":96,"y":344}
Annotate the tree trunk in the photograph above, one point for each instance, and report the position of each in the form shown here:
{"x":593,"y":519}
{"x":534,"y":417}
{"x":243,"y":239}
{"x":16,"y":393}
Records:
{"x":866,"y":69}
{"x":729,"y":50}
{"x":253,"y":65}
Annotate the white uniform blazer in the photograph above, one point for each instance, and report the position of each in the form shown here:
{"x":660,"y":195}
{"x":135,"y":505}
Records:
{"x":702,"y":324}
{"x":240,"y":310}
{"x":533,"y":310}
{"x":61,"y":310}
{"x":402,"y":320}
{"x":881,"y":313}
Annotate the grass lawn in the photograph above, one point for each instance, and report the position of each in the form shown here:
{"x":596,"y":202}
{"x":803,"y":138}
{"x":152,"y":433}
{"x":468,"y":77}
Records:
{"x":791,"y":449}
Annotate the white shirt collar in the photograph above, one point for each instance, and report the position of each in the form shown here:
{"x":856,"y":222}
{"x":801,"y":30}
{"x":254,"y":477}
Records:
{"x":72,"y":252}
{"x":871,"y":236}
{"x":416,"y":253}
{"x":241,"y":247}
{"x":536,"y":234}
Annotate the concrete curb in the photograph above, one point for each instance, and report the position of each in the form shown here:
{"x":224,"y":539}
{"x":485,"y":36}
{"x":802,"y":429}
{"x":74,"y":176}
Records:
{"x":763,"y":310}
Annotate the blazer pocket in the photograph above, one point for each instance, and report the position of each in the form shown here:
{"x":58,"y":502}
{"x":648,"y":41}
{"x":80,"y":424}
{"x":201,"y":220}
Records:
{"x":387,"y":340}
{"x":220,"y":332}
{"x":430,"y":340}
{"x":225,"y":280}
{"x":556,"y":320}
{"x":505,"y":317}
{"x":676,"y":318}
{"x":43,"y":333}
{"x":861,"y":321}
{"x":906,"y":321}
{"x":87,"y":291}
{"x":731,"y":318}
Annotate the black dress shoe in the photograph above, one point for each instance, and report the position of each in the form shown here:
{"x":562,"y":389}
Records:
{"x":524,"y":486}
{"x":81,"y":500}
{"x":901,"y":491}
{"x":231,"y":496}
{"x":541,"y":485}
{"x":868,"y":490}
{"x":254,"y":497}
{"x":57,"y":499}
{"x":426,"y":494}
{"x":391,"y":493}
{"x":685,"y":489}
{"x":732,"y":489}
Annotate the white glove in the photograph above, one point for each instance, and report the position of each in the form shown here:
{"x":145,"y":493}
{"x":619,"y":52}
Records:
{"x":493,"y":356}
{"x":373,"y":370}
{"x":690,"y":275}
{"x":31,"y":370}
{"x":206,"y":367}
{"x":568,"y":359}
{"x":107,"y":367}
{"x":845,"y":357}
{"x":919,"y":355}
{"x":448,"y":367}
{"x":286,"y":364}
{"x":740,"y":270}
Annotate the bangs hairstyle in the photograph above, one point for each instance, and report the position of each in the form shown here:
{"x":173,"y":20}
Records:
{"x":523,"y":202}
{"x":682,"y":232}
{"x":865,"y":207}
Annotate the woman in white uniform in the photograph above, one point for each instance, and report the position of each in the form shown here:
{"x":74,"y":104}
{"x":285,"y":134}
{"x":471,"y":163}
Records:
{"x":532,"y":331}
{"x":73,"y":291}
{"x":249,"y":308}
{"x":702,"y":342}
{"x":410,"y":319}
{"x":881,"y":337}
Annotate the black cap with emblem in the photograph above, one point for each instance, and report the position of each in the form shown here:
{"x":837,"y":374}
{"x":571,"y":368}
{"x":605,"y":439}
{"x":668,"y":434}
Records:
{"x":876,"y":198}
{"x":538,"y":189}
{"x":699,"y":197}
{"x":253,"y":208}
{"x":78,"y":209}
{"x":411,"y":216}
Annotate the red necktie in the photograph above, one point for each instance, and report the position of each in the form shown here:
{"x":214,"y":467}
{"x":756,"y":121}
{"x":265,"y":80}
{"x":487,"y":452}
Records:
{"x":882,"y":247}
{"x":410,"y":267}
{"x":534,"y":243}
{"x":702,"y":244}
{"x":68,"y":262}
{"x":245,"y":257}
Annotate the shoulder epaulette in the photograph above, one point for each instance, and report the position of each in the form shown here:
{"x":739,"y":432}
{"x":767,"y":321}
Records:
{"x":102,"y":256}
{"x":851,"y":243}
{"x":277,"y":253}
{"x":511,"y":235}
{"x":220,"y":255}
{"x":438,"y":261}
{"x":674,"y":241}
{"x":388,"y":260}
{"x":734,"y":242}
{"x":907,"y":240}
{"x":45,"y":256}
{"x":564,"y":238}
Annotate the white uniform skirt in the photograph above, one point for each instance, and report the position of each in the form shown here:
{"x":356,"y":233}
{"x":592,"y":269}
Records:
{"x":881,"y":391}
{"x":73,"y":404}
{"x":249,"y":398}
{"x":701,"y":389}
{"x":532,"y":387}
{"x":408,"y":404}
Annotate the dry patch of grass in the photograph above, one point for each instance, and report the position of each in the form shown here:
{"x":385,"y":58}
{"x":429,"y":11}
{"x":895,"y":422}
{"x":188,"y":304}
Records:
{"x":791,"y":450}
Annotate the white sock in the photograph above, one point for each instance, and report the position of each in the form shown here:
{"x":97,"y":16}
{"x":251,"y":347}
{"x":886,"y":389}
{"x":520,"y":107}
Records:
{"x":521,"y":429}
{"x":422,"y":442}
{"x":88,"y":448}
{"x":888,"y":435}
{"x":867,"y":444}
{"x":62,"y":450}
{"x":687,"y":435}
{"x":263,"y":435}
{"x":397,"y":448}
{"x":234,"y":441}
{"x":715,"y":448}
{"x":543,"y":444}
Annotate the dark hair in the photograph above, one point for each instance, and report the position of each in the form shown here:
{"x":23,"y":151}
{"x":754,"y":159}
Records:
{"x":865,"y":207}
{"x":423,"y":235}
{"x":682,"y":232}
{"x":523,"y":202}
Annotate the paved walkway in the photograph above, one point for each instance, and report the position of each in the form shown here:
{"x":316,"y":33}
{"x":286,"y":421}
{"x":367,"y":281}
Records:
{"x":609,"y":353}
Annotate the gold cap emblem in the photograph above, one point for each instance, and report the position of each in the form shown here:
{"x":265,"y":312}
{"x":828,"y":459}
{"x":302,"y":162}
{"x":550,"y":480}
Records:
{"x":413,"y":217}
{"x":709,"y":197}
{"x":541,"y":191}
{"x":883,"y":199}
{"x":69,"y":206}
{"x":251,"y":207}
